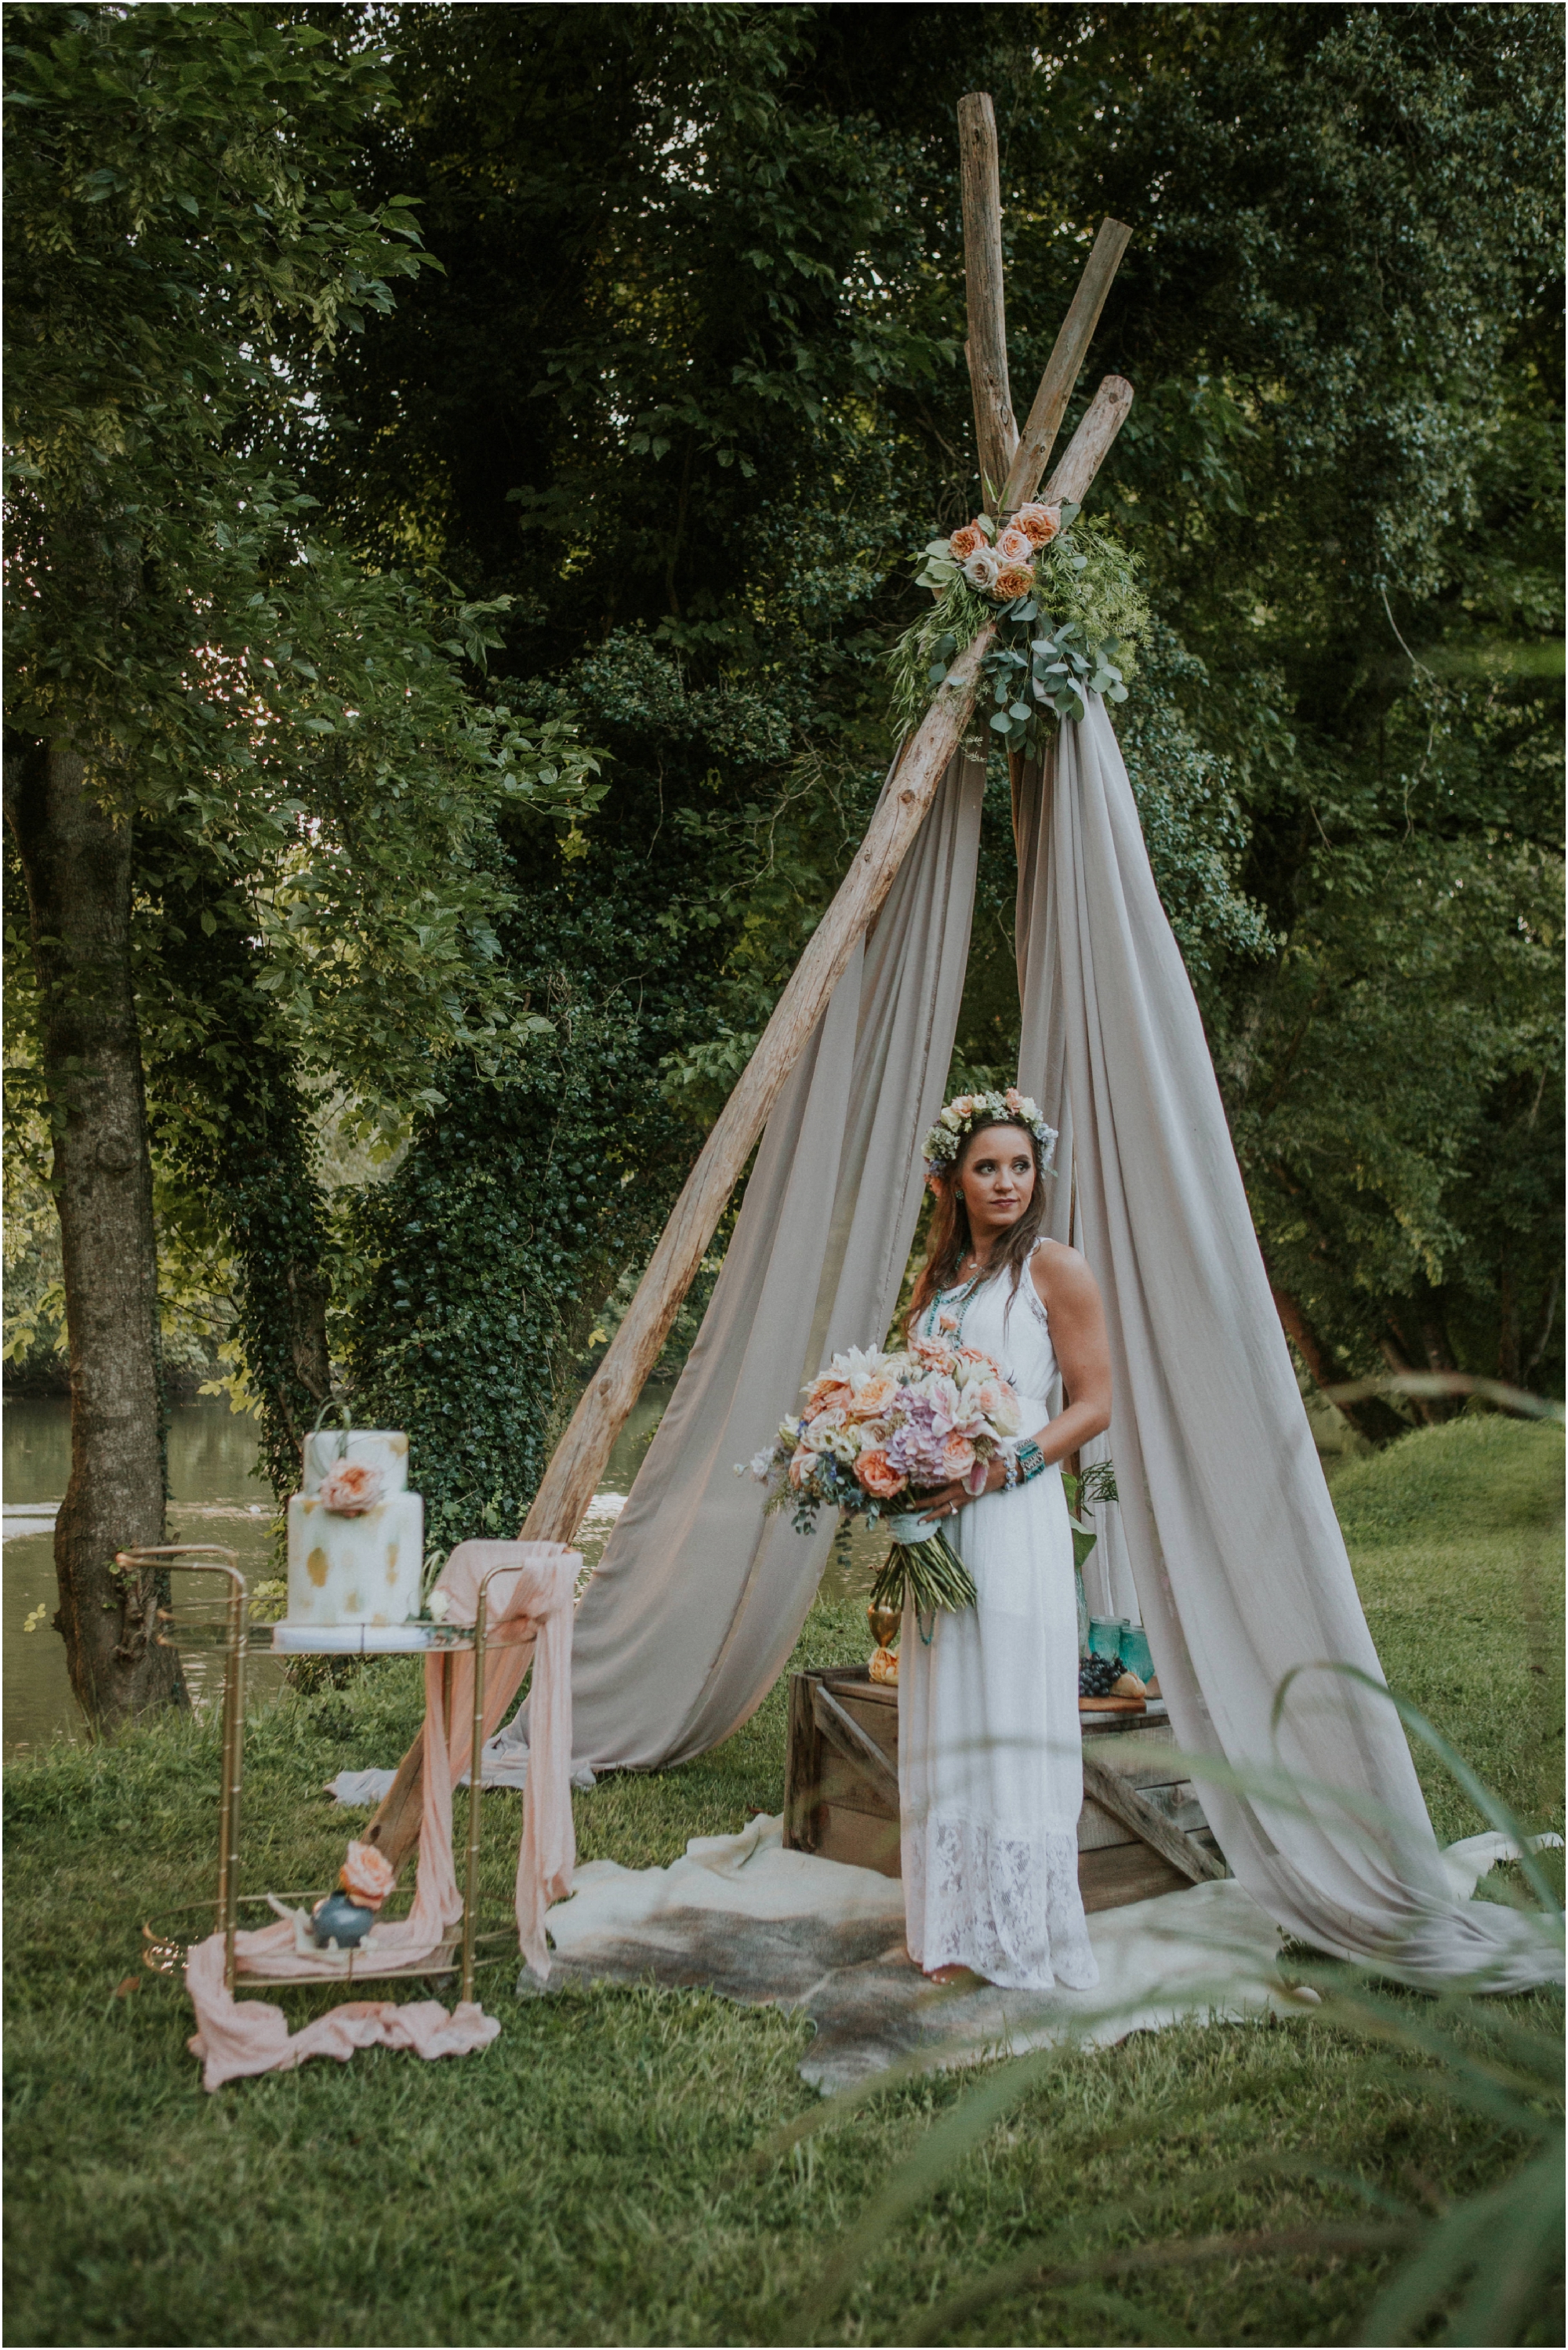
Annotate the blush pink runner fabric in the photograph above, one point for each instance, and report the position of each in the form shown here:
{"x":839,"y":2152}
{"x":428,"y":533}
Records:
{"x":529,"y":1606}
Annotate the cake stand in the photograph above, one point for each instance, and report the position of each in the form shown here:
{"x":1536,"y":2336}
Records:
{"x":162,"y":1955}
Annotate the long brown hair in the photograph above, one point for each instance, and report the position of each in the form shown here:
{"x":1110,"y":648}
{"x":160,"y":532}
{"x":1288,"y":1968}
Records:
{"x":949,"y":1240}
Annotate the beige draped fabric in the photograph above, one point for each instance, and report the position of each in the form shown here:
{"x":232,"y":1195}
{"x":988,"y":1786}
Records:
{"x":1238,"y":1562}
{"x":1225,"y":1530}
{"x":698,"y":1600}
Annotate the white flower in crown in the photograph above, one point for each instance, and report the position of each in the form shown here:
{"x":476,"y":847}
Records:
{"x":946,"y":1138}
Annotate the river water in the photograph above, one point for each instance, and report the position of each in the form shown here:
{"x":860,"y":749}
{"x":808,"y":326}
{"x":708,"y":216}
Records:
{"x":216,"y":1499}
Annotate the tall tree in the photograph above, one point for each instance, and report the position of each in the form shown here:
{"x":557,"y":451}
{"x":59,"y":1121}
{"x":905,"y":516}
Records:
{"x":189,"y":663}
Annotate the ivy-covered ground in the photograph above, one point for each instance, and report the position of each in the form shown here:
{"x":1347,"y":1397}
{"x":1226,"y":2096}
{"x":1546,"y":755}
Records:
{"x":608,"y":2171}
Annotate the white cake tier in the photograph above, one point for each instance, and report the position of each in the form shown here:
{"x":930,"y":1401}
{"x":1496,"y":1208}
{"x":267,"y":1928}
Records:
{"x":364,"y":1570}
{"x":385,"y":1450}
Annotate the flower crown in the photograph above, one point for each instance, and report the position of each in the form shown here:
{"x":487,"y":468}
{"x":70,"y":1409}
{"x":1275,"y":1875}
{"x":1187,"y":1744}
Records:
{"x":960,"y":1118}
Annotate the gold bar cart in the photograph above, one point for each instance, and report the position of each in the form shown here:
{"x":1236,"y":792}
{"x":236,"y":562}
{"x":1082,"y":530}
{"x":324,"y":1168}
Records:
{"x":212,"y":1558}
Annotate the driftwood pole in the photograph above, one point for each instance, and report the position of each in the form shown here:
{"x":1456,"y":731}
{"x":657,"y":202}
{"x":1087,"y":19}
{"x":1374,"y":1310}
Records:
{"x":995,"y":433}
{"x":578,"y":1460}
{"x":1061,"y":368}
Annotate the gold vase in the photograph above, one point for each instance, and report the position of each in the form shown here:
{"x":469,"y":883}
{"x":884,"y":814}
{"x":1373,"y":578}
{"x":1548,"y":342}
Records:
{"x":883,"y":1665}
{"x":884,"y":1623}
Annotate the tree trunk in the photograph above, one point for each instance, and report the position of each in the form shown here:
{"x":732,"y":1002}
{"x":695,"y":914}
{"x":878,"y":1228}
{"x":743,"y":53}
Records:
{"x":1375,"y":1419}
{"x":75,"y":859}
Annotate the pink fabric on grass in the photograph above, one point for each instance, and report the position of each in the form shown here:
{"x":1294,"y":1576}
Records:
{"x":238,"y":2037}
{"x":529,"y":1611}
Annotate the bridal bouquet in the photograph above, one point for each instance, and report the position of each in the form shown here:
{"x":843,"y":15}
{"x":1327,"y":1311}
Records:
{"x":877,"y":1432}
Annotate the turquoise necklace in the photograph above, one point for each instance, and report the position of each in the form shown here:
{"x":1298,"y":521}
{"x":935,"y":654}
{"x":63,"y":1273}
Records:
{"x":964,"y":1292}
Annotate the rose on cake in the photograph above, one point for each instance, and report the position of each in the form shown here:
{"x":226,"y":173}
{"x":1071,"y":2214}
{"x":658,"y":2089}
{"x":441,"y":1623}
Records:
{"x":350,"y":1487}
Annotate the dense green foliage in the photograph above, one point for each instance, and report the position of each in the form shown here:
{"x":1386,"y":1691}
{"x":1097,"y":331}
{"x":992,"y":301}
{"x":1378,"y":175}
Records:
{"x":688,"y":388}
{"x":314,"y":789}
{"x":607,"y":2170}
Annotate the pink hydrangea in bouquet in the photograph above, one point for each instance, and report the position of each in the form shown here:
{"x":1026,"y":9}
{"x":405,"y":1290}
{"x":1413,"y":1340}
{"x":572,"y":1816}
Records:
{"x":878,"y":1431}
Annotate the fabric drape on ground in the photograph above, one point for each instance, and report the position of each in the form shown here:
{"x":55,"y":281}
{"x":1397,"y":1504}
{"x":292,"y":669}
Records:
{"x":698,"y":1600}
{"x":529,"y":1604}
{"x":1241,"y":1567}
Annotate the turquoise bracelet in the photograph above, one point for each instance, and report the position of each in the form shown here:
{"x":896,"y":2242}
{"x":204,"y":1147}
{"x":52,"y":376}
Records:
{"x":1030,"y":1461}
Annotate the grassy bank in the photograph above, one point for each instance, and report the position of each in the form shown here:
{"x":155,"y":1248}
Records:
{"x":595,"y":2176}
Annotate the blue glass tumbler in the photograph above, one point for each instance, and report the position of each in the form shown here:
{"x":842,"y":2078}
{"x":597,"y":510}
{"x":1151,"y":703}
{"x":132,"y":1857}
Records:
{"x":1137,"y":1655}
{"x":1107,"y":1633}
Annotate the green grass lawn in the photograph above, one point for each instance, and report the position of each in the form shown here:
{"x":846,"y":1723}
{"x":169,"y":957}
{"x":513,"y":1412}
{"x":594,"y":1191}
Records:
{"x":606,"y":2172}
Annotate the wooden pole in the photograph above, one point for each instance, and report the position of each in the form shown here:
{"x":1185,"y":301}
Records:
{"x":1061,"y":368}
{"x":1090,"y":445}
{"x":995,"y":432}
{"x":579,"y":1459}
{"x":578,"y":1463}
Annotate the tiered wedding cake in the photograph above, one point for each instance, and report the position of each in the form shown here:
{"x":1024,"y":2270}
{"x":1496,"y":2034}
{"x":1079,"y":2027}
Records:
{"x":356,"y":1544}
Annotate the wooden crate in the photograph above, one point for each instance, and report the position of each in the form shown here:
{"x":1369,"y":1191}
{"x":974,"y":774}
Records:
{"x":841,"y":1789}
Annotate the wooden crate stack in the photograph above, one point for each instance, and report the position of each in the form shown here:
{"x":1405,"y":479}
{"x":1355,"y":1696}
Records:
{"x":1141,"y":1832}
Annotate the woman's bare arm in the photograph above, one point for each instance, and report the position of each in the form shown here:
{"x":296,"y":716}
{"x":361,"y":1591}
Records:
{"x":1070,"y":1297}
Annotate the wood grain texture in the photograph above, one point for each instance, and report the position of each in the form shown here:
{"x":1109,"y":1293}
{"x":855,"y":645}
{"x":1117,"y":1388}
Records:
{"x":1114,"y":1794}
{"x":839,"y":1727}
{"x":995,"y":432}
{"x":1062,"y":368}
{"x":1090,"y":445}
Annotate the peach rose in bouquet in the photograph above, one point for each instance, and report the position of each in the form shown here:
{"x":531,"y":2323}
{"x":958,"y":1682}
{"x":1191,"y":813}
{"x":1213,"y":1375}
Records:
{"x":1015,"y":546}
{"x":874,"y":1397}
{"x":966,"y":542}
{"x":878,"y":1476}
{"x":1012,"y":580}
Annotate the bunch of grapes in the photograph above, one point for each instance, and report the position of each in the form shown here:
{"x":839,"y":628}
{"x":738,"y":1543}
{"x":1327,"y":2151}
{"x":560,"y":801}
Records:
{"x":1098,"y":1676}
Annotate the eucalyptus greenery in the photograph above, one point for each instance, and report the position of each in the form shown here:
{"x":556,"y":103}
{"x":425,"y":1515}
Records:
{"x":1068,"y":638}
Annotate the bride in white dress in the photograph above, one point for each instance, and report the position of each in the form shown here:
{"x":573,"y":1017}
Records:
{"x":990,"y":1758}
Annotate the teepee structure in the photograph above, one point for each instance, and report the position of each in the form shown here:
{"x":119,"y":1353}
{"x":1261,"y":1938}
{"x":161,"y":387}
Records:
{"x":1231,"y":1542}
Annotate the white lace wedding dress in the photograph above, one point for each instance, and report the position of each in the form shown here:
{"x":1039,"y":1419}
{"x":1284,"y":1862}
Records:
{"x":990,"y":1777}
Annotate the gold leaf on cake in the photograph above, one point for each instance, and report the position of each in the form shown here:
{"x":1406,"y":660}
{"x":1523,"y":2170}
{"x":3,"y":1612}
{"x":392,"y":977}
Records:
{"x":316,"y":1566}
{"x":353,"y":1605}
{"x":391,"y":1562}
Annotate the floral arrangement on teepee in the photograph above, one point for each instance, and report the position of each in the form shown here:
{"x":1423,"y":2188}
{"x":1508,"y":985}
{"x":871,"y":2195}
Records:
{"x":1063,"y":597}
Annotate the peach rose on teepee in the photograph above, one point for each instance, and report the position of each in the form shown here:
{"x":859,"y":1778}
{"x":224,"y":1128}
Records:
{"x":878,"y":1476}
{"x":980,"y":570}
{"x":1039,"y":524}
{"x":1013,"y":579}
{"x":1015,"y":546}
{"x":966,"y":541}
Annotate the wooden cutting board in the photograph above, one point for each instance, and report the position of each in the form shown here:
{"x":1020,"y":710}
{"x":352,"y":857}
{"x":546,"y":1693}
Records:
{"x":1113,"y":1705}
